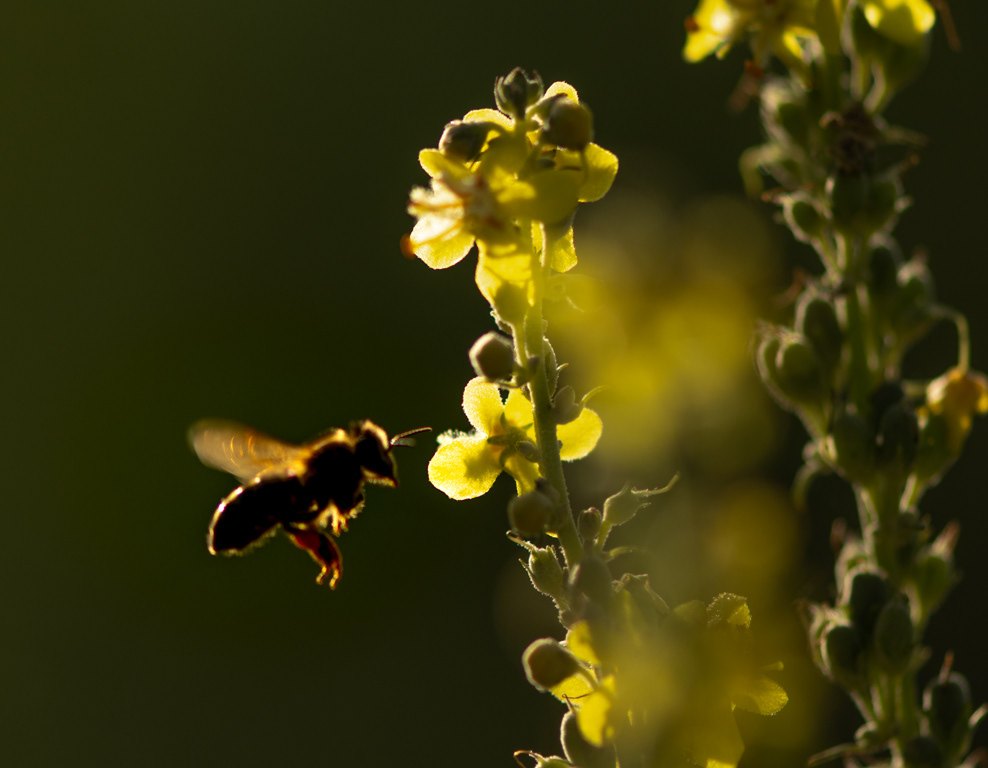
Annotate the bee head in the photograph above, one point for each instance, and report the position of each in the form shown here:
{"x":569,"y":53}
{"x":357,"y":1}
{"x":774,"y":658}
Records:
{"x":373,"y":451}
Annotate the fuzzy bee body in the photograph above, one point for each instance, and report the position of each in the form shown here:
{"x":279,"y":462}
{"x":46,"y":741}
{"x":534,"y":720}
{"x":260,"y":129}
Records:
{"x":310,"y":491}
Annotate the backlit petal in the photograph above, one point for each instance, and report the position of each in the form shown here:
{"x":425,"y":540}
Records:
{"x":602,"y":167}
{"x":518,"y":409}
{"x":464,"y":469}
{"x":763,"y":696}
{"x":580,"y":436}
{"x":482,"y":405}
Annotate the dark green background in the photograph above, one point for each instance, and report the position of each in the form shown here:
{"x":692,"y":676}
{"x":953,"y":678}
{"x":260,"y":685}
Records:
{"x":200,"y":208}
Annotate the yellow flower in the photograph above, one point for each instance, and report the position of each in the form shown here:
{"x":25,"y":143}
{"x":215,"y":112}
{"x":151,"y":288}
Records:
{"x":776,"y":27}
{"x":957,"y":395}
{"x":466,"y":466}
{"x":683,"y":681}
{"x":902,"y":21}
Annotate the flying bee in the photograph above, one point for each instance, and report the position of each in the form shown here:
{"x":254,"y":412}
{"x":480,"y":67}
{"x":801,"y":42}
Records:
{"x":311,"y":491}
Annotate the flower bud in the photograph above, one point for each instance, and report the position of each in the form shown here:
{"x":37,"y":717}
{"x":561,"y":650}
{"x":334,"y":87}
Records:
{"x":932,"y":454}
{"x":880,"y":274}
{"x":921,"y":752}
{"x":853,"y":441}
{"x":551,"y":365}
{"x":545,"y":572}
{"x":898,"y":437}
{"x":894,"y":641}
{"x":588,"y":525}
{"x":816,"y":319}
{"x":581,"y":752}
{"x":547,"y":663}
{"x":463,"y":140}
{"x":848,"y":194}
{"x":867,"y":596}
{"x":933,"y":576}
{"x":883,"y":200}
{"x":912,"y":309}
{"x":565,"y":407}
{"x":948,"y":707}
{"x":530,"y":513}
{"x":624,"y":505}
{"x":799,"y":374}
{"x":803,"y":219}
{"x":510,"y":304}
{"x":568,"y":125}
{"x":842,"y":655}
{"x":517,"y":91}
{"x":493,"y":357}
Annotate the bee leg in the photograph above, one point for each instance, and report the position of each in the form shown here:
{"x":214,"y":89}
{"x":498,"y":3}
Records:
{"x":322,"y":549}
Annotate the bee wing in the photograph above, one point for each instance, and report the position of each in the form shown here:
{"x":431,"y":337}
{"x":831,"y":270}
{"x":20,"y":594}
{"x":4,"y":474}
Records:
{"x":240,"y":450}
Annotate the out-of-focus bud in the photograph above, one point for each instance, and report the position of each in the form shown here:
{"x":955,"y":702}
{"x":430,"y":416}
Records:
{"x":848,"y":194}
{"x":870,"y":736}
{"x":898,"y":437}
{"x":803,"y":218}
{"x":784,"y":113}
{"x":547,"y":663}
{"x":798,"y":373}
{"x":493,"y":357}
{"x":545,"y":572}
{"x":588,"y":525}
{"x":842,"y":655}
{"x":593,"y":578}
{"x":463,"y":140}
{"x":625,"y":504}
{"x":581,"y":752}
{"x":568,"y":125}
{"x":647,"y":599}
{"x":932,"y":454}
{"x":866,"y":596}
{"x":551,"y":365}
{"x":894,"y":640}
{"x":880,"y":275}
{"x":933,"y":575}
{"x":517,"y":91}
{"x":948,"y":708}
{"x":882,"y":205}
{"x":912,"y":309}
{"x":530,"y":513}
{"x":816,"y":319}
{"x":921,"y":752}
{"x":853,"y":557}
{"x":853,"y":441}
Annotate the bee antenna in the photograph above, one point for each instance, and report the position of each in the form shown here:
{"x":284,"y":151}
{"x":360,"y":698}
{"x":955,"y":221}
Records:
{"x":403,"y":437}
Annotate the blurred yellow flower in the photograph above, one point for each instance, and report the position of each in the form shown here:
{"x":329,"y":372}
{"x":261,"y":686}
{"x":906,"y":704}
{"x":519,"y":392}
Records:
{"x":957,"y":395}
{"x":466,"y":466}
{"x":903,"y":21}
{"x":776,"y":27}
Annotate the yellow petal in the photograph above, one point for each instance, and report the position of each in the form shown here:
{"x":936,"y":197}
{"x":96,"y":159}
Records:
{"x":763,"y":696}
{"x":482,"y":405}
{"x":562,"y":253}
{"x":903,"y":21}
{"x":552,"y":196}
{"x":595,"y":716}
{"x":439,"y":252}
{"x":435,"y":163}
{"x":464,"y":469}
{"x":524,"y":473}
{"x":716,"y":741}
{"x":488,"y":116}
{"x":602,"y":167}
{"x":518,"y":409}
{"x":561,"y":88}
{"x":580,"y":436}
{"x":579,"y":643}
{"x":715,"y":22}
{"x":573,"y":689}
{"x":494,"y":271}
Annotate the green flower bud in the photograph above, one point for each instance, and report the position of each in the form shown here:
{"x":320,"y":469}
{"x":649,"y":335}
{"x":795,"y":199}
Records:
{"x":593,"y":578}
{"x":565,"y":407}
{"x":882,"y":204}
{"x":912,"y":309}
{"x":880,"y":275}
{"x":528,"y":450}
{"x":551,"y":365}
{"x":493,"y":357}
{"x":785,"y":114}
{"x":803,"y":219}
{"x":842,"y":655}
{"x":649,"y":602}
{"x":624,"y":505}
{"x":530,"y":513}
{"x":921,"y":752}
{"x":517,"y":91}
{"x":799,"y":373}
{"x":848,"y":194}
{"x":816,"y":319}
{"x":866,"y":597}
{"x":581,"y":752}
{"x":854,"y":446}
{"x":545,"y":572}
{"x":901,"y":63}
{"x":547,"y":663}
{"x":568,"y":125}
{"x":898,"y":437}
{"x":948,"y":707}
{"x":588,"y":525}
{"x":894,"y":641}
{"x":933,"y":576}
{"x":463,"y":140}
